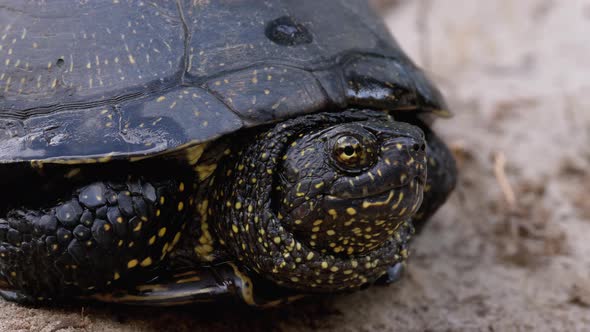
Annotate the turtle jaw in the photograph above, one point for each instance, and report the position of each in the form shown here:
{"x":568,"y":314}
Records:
{"x":369,"y":222}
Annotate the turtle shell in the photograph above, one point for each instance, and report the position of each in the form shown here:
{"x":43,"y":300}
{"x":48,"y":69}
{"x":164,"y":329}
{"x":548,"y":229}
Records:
{"x":91,"y":81}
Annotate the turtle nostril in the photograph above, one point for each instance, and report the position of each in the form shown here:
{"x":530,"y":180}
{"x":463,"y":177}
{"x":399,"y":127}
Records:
{"x":423,"y":147}
{"x":416,"y":147}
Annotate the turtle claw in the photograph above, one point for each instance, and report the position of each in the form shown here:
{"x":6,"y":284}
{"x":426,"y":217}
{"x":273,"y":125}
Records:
{"x":196,"y":285}
{"x":393,"y":274}
{"x":17,"y":297}
{"x":173,"y":289}
{"x":8,"y":293}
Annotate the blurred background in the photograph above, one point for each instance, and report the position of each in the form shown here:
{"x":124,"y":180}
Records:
{"x":510,"y":250}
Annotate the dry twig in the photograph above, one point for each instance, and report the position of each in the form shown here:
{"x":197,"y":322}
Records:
{"x":500,"y":173}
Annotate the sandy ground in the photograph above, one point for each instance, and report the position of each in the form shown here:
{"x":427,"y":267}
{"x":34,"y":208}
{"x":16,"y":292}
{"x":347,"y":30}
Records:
{"x":509,"y":251}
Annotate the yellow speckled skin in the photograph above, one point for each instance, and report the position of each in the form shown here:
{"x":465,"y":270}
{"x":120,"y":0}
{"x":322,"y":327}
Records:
{"x":282,"y":227}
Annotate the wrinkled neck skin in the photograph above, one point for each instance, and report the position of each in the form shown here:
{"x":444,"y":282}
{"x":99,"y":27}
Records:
{"x":284,"y":209}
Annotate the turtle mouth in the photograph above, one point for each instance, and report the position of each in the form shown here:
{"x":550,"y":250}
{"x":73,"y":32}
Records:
{"x":387,"y":206}
{"x":372,"y":203}
{"x":363,"y":224}
{"x":416,"y":181}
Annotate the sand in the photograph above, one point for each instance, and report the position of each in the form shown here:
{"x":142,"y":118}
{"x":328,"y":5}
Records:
{"x":509,"y":251}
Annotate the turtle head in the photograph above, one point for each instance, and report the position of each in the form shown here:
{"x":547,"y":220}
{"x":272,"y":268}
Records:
{"x":344,"y":189}
{"x":322,"y":202}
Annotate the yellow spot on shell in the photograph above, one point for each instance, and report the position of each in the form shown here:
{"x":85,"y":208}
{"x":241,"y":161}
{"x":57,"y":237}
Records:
{"x":146,"y":262}
{"x":176,"y":239}
{"x":324,"y":265}
{"x":162,"y":232}
{"x":152,"y":240}
{"x":132,"y":263}
{"x":333,"y":213}
{"x":117,"y":276}
{"x":351,"y":211}
{"x":180,"y":206}
{"x":277,"y":240}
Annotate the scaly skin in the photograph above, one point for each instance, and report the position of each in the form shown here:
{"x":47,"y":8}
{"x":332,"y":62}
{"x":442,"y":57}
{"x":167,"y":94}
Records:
{"x":104,"y":234}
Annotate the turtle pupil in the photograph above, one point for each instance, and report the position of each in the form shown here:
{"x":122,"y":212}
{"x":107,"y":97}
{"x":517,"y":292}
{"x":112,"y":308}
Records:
{"x":348,"y":150}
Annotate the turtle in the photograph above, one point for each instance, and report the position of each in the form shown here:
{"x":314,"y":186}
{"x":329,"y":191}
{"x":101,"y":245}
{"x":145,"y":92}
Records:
{"x":174,"y":152}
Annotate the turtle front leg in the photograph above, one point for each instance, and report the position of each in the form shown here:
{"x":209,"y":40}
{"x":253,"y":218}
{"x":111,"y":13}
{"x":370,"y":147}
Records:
{"x":103,"y":234}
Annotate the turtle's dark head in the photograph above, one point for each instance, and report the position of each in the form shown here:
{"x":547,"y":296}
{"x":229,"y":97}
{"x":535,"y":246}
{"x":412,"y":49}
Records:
{"x":321,"y":202}
{"x":345,"y":189}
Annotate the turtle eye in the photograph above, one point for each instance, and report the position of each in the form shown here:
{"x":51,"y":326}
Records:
{"x":352,"y":153}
